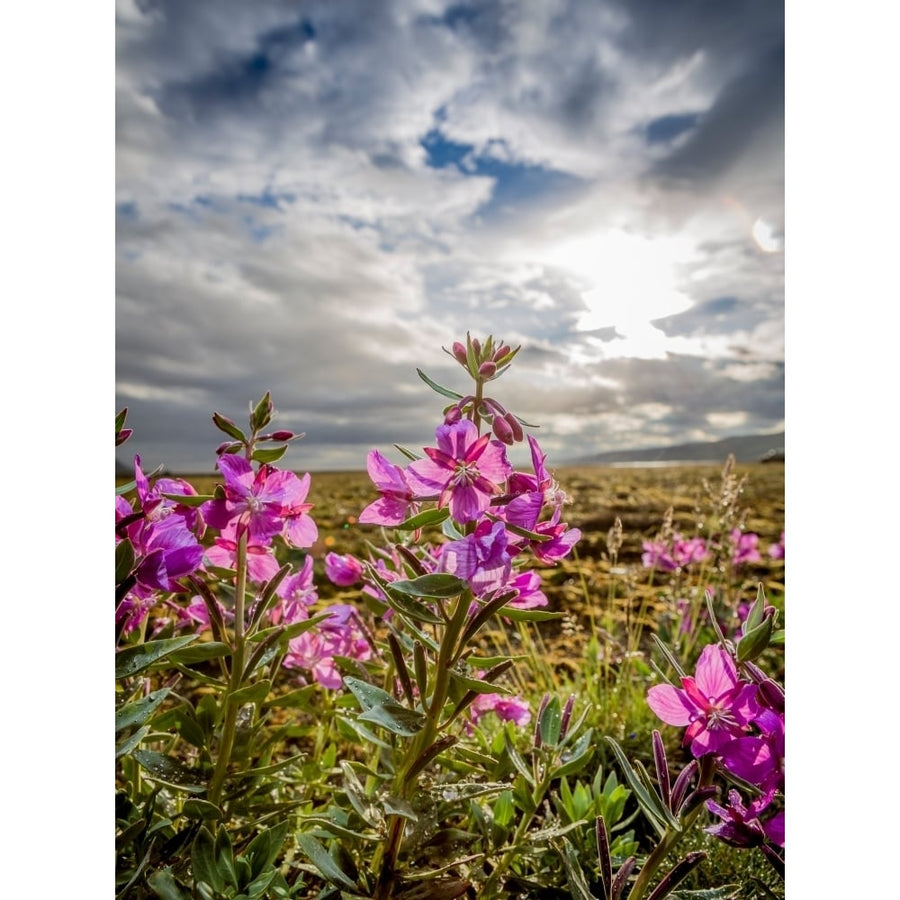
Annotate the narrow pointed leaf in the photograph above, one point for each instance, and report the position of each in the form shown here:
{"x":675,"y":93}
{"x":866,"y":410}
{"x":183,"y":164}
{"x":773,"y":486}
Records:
{"x":167,"y":770}
{"x":226,"y":425}
{"x":191,"y":500}
{"x":578,"y":886}
{"x":269,"y":454}
{"x":439,"y":586}
{"x":446,"y":392}
{"x":132,"y":660}
{"x":677,"y":874}
{"x":322,"y":860}
{"x":424,"y":519}
{"x":139,"y":711}
{"x":649,"y":802}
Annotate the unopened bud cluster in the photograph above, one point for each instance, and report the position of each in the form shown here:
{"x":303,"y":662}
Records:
{"x":483,"y":361}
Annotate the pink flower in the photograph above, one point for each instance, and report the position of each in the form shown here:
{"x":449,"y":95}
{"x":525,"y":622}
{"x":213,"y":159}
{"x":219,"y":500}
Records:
{"x":776,"y":551}
{"x":508,"y":709}
{"x":745,"y":547}
{"x":685,"y":552}
{"x":481,"y":558}
{"x":295,"y":595}
{"x":343,"y":571}
{"x":715,"y":705}
{"x":758,"y":759}
{"x":396,"y":501}
{"x":155,"y":506}
{"x":530,"y":595}
{"x":261,"y":562}
{"x":267,"y":502}
{"x":741,"y":826}
{"x":465,"y":471}
{"x":338,"y":635}
{"x":656,"y":555}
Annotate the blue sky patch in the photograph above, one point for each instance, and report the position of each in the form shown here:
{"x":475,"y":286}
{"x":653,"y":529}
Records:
{"x":667,"y":128}
{"x":514,"y":183}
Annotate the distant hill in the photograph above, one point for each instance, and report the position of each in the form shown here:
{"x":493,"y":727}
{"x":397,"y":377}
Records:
{"x":745,"y":448}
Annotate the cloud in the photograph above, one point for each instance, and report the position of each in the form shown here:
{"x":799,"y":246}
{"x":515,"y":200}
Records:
{"x":313,"y":200}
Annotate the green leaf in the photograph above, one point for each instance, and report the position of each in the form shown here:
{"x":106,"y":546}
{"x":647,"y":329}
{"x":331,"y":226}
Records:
{"x":754,"y":641}
{"x":200,"y":652}
{"x":165,"y":887}
{"x":395,"y":718}
{"x":263,"y":850}
{"x":380,"y":708}
{"x":477,"y":685}
{"x":657,"y":814}
{"x":169,"y":771}
{"x":224,"y":856}
{"x":321,"y":859}
{"x":438,"y":586}
{"x":578,"y":885}
{"x":252,"y":693}
{"x":195,"y":808}
{"x":126,"y":488}
{"x":226,"y":425}
{"x":424,"y":519}
{"x":262,"y":415}
{"x":396,"y":806}
{"x":577,"y":758}
{"x":269,"y":454}
{"x":124,"y":560}
{"x":132,"y":660}
{"x":411,"y":608}
{"x":408,"y":453}
{"x":530,"y":615}
{"x":191,"y":500}
{"x":446,"y":392}
{"x":131,"y":742}
{"x":516,"y":759}
{"x":203,"y":860}
{"x":139,"y":711}
{"x":551,"y":722}
{"x":757,"y":610}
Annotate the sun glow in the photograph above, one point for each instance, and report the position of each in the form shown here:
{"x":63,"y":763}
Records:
{"x":628,"y":280}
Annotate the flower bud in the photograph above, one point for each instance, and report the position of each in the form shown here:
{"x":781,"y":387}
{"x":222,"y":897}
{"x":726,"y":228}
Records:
{"x":476,"y":346}
{"x":282,"y":435}
{"x":513,"y":422}
{"x":566,"y":716}
{"x":227,"y":447}
{"x":502,"y":431}
{"x":459,"y":353}
{"x":500,"y":352}
{"x":452,"y":415}
{"x":487,"y":369}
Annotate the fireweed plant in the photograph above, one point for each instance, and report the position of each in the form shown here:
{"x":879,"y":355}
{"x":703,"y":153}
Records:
{"x":272,"y":744}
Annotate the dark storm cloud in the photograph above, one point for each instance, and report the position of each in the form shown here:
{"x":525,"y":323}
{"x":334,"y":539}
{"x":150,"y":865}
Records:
{"x":747,"y":107}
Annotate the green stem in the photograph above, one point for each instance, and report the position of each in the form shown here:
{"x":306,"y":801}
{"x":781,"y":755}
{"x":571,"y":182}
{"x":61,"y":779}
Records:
{"x":537,"y":798}
{"x":479,"y":394}
{"x":226,"y":744}
{"x":671,"y":838}
{"x":385,"y":859}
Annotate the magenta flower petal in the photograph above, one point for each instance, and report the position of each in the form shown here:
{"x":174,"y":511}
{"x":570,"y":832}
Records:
{"x":716,"y":672}
{"x":671,"y":705}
